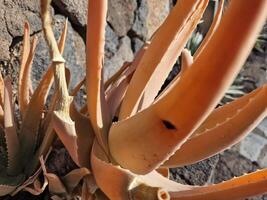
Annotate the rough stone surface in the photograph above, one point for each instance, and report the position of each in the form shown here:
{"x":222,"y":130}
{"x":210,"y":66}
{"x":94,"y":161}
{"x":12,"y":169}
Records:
{"x":157,"y":12}
{"x":121,"y":15}
{"x":137,"y":44}
{"x":13,"y":14}
{"x":112,"y":42}
{"x":76,"y":10}
{"x":140,"y":28}
{"x":197,"y":174}
{"x":231,"y":164}
{"x":74,"y":53}
{"x":252,"y":146}
{"x":124,"y":53}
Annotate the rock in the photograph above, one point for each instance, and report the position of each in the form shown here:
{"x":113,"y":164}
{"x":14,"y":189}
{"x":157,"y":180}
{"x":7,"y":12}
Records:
{"x":157,"y":13}
{"x":232,"y":164}
{"x":121,"y":15}
{"x":74,"y":53}
{"x":13,"y":14}
{"x":111,"y":43}
{"x":136,"y":44}
{"x":263,"y":127}
{"x":140,"y":28}
{"x":197,"y":174}
{"x":76,"y":10}
{"x":17,"y":12}
{"x":252,"y":146}
{"x":124,"y":53}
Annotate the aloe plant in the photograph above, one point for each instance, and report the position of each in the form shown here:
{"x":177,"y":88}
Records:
{"x":23,"y":143}
{"x":129,"y":158}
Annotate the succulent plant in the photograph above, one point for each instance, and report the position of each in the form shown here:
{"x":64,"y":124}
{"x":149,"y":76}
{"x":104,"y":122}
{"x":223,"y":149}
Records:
{"x":127,"y":136}
{"x":22,"y":142}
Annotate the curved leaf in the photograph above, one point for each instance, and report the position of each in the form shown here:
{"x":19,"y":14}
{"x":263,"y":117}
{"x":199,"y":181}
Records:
{"x":225,"y":127}
{"x":97,"y":105}
{"x":166,"y":45}
{"x":143,"y":142}
{"x":12,"y":140}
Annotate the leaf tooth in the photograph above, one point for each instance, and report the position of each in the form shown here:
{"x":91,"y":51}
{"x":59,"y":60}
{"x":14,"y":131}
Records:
{"x":12,"y":141}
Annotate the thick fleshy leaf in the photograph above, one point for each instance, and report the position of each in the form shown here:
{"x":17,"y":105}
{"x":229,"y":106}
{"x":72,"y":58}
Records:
{"x":187,"y":61}
{"x":55,"y":185}
{"x":1,"y":91}
{"x":6,"y":189}
{"x":117,"y":75}
{"x":1,"y":100}
{"x":116,"y":94}
{"x":97,"y":105}
{"x":65,"y":129}
{"x":36,"y":188}
{"x":85,"y":136}
{"x":9,"y":183}
{"x":25,"y":85}
{"x":143,"y":142}
{"x":121,"y":184}
{"x":166,"y":45}
{"x":33,"y":116}
{"x":11,"y":137}
{"x":23,"y":62}
{"x":225,"y":127}
{"x":238,"y":188}
{"x":215,"y":23}
{"x":48,"y":32}
{"x":164,"y":172}
{"x":72,"y":179}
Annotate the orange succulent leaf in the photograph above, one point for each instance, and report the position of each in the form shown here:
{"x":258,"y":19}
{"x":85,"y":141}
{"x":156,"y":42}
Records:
{"x":65,"y":129}
{"x":225,"y":127}
{"x":187,"y":61}
{"x":96,"y":103}
{"x":215,"y":23}
{"x":85,"y":136}
{"x":127,"y":185}
{"x":25,"y":85}
{"x":11,"y":137}
{"x":143,"y":142}
{"x":166,"y":45}
{"x":33,"y":116}
{"x":238,"y":188}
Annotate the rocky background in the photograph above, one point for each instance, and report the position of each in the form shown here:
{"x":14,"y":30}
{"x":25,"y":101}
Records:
{"x":130,"y":24}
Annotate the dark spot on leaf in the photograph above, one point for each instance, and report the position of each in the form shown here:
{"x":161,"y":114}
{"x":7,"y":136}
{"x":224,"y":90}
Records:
{"x":168,"y":125}
{"x":115,"y":119}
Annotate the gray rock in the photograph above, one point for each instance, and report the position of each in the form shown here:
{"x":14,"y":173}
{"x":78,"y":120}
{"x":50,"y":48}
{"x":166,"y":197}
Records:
{"x":74,"y":53}
{"x":231,"y":164}
{"x":252,"y":146}
{"x":139,"y":28}
{"x":121,"y":15}
{"x":157,"y":13}
{"x":17,"y":12}
{"x":124,"y":53}
{"x":13,"y":14}
{"x":197,"y":174}
{"x":76,"y":10}
{"x":111,"y":42}
{"x":136,"y":44}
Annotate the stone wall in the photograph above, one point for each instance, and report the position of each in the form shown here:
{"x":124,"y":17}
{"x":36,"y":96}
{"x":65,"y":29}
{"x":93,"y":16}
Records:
{"x":130,"y":23}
